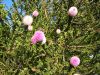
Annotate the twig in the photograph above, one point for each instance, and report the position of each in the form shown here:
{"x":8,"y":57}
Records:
{"x":79,"y":46}
{"x":44,"y":7}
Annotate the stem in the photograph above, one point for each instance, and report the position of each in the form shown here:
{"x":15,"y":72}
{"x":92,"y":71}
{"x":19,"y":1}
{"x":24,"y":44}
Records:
{"x":70,"y":3}
{"x":44,"y":7}
{"x":71,"y":71}
{"x":80,"y":46}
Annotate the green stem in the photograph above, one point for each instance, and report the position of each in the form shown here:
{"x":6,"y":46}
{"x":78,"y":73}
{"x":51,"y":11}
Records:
{"x":71,"y":71}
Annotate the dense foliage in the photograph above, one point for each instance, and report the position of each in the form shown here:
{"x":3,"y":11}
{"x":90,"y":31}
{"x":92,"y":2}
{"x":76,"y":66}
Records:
{"x":80,"y":36}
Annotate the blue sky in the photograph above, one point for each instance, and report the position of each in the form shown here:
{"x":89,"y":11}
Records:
{"x":8,"y":3}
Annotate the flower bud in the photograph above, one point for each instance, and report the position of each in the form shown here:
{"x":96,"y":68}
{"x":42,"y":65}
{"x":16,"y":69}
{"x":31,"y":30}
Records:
{"x":35,"y":13}
{"x":30,"y":28}
{"x":58,"y":31}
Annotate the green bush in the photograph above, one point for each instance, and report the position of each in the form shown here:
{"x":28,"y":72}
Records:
{"x":80,"y":36}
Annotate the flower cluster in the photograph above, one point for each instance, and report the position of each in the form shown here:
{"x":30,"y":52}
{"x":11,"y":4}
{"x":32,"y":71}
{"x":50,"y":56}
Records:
{"x":28,"y":20}
{"x":39,"y":36}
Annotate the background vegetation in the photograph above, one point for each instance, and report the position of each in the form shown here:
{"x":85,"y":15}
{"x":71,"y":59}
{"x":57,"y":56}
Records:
{"x":80,"y":35}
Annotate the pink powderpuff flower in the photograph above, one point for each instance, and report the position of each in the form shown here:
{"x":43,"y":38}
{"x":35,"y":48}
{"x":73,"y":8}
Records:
{"x":30,"y":28}
{"x":75,"y":61}
{"x":37,"y":37}
{"x":27,"y":20}
{"x":35,"y":13}
{"x":73,"y":11}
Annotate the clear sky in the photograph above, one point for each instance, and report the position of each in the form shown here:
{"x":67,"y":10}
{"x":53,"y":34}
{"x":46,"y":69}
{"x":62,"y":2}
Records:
{"x":8,"y":3}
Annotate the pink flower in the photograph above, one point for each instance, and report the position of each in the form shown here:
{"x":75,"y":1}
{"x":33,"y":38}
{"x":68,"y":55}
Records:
{"x":73,"y":11}
{"x":35,"y":13}
{"x":74,"y":61}
{"x":30,"y":28}
{"x":37,"y":37}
